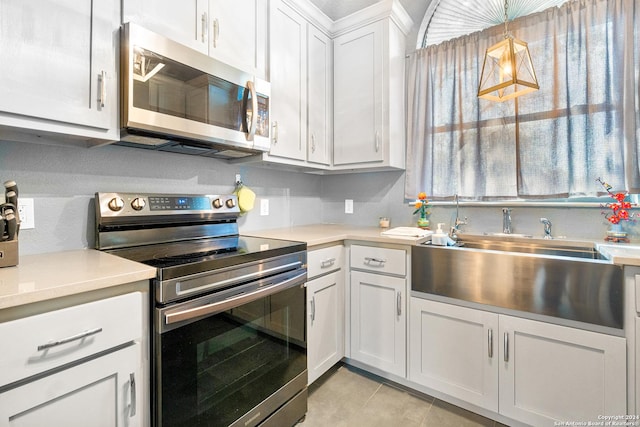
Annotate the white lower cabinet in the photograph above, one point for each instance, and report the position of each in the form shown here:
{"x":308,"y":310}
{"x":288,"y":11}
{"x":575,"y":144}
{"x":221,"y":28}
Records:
{"x":451,"y":349}
{"x":378,"y":321}
{"x":325,"y":310}
{"x":78,"y":366}
{"x":533,"y":372}
{"x":325,"y":324}
{"x":554,"y":373}
{"x":98,"y":393}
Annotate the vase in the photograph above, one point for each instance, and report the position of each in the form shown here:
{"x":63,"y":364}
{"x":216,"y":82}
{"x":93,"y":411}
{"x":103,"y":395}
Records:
{"x":423,"y":223}
{"x":616,"y":234}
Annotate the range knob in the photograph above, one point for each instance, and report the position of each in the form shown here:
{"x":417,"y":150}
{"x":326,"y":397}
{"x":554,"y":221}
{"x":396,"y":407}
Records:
{"x":138,"y":204}
{"x":217,"y":203}
{"x":116,"y":204}
{"x":231,"y":203}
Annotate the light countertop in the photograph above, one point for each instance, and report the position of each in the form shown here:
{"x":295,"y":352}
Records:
{"x":321,"y":234}
{"x":47,"y":276}
{"x":44,"y":277}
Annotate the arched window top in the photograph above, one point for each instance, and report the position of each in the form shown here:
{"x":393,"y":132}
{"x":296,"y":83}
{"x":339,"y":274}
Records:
{"x":448,"y":19}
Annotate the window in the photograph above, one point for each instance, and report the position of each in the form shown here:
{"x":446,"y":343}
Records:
{"x":582,"y":124}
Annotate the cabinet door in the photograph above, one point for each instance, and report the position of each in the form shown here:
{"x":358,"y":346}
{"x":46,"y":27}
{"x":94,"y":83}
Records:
{"x":319,"y":135}
{"x":358,"y":95}
{"x":325,"y":323}
{"x":98,"y":393}
{"x":288,"y":69}
{"x":378,"y":321}
{"x":553,"y":373}
{"x":239,"y":33}
{"x":58,"y":61}
{"x":185,"y":21}
{"x":455,"y":350}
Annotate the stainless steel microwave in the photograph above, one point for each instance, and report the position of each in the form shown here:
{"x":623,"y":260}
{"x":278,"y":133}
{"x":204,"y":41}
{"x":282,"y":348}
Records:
{"x":180,"y":100}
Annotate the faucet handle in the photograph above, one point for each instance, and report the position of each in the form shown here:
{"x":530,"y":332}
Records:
{"x":547,"y":228}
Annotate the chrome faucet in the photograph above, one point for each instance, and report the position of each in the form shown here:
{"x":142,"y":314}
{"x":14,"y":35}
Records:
{"x":506,"y":221}
{"x":455,"y":228}
{"x":547,"y":228}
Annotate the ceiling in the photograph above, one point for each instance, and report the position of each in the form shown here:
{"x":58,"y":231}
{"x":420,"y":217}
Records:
{"x":336,"y":9}
{"x":447,"y":18}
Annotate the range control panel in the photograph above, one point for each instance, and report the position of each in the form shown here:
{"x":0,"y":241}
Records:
{"x":133,"y":204}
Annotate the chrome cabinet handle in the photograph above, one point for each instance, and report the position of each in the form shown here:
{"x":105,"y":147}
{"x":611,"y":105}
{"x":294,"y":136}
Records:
{"x":274,"y":126}
{"x":216,"y":32}
{"x":399,"y":303}
{"x":132,"y":385}
{"x":203,"y":30}
{"x":313,"y":308}
{"x":490,"y":342}
{"x":506,"y":346}
{"x":327,"y":262}
{"x":72,"y":338}
{"x":313,"y":143}
{"x":102,"y":79}
{"x":377,"y":141}
{"x":369,"y":260}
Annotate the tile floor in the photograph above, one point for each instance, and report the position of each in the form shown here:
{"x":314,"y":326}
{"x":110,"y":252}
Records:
{"x":348,"y":397}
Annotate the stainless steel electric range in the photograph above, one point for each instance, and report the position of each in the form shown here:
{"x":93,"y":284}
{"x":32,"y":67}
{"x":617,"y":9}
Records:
{"x":228,"y":338}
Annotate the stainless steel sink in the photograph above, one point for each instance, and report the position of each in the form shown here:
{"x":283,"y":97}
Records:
{"x":528,"y":245}
{"x":562,"y":279}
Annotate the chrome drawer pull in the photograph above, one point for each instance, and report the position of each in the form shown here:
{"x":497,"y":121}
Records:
{"x":506,"y":346}
{"x":399,"y":304}
{"x":327,"y":262}
{"x":369,"y":260}
{"x":132,"y":385}
{"x":490,"y":342}
{"x":313,"y":308}
{"x":80,"y":336}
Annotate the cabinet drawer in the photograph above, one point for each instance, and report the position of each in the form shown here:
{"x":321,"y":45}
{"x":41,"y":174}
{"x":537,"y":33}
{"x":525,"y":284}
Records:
{"x":324,"y":260}
{"x":382,"y":260}
{"x":36,"y":344}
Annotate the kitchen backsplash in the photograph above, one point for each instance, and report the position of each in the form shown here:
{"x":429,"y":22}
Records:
{"x":62,"y":181}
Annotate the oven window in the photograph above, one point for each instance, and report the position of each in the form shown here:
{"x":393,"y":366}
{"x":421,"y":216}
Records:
{"x":216,"y":370}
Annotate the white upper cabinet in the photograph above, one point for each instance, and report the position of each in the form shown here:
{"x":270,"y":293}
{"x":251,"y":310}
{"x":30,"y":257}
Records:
{"x":320,"y":91}
{"x":234,"y":32}
{"x":58,"y":69}
{"x":180,"y":21}
{"x":238,"y":33}
{"x":301,"y":73}
{"x":288,"y":72}
{"x":369,"y":90}
{"x":358,"y":96}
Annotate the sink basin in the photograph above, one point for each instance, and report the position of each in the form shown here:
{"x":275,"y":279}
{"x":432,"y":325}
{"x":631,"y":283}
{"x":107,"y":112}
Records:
{"x":557,"y":278}
{"x":512,"y":235}
{"x":528,"y":245}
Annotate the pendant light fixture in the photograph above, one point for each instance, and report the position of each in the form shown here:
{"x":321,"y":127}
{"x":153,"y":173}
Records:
{"x":507,"y":71}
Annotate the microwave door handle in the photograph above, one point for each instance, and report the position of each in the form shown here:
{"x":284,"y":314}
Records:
{"x":254,"y":111}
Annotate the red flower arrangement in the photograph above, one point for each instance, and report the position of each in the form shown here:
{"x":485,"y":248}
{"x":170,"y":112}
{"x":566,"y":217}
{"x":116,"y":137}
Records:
{"x":620,"y":207}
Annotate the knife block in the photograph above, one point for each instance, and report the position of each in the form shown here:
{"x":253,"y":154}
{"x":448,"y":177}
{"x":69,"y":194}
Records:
{"x":9,"y":253}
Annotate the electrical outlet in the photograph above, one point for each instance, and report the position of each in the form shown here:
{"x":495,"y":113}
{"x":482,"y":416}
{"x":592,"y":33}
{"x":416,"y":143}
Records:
{"x":348,"y":206}
{"x":26,"y":213}
{"x":264,"y":207}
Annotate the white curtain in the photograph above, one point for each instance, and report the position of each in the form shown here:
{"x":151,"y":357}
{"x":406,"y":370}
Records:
{"x":582,"y":124}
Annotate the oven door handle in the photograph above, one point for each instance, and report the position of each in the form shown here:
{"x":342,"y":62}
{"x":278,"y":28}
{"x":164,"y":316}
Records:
{"x":234,"y":301}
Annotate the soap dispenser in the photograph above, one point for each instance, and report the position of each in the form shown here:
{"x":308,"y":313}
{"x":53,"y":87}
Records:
{"x":439,"y":238}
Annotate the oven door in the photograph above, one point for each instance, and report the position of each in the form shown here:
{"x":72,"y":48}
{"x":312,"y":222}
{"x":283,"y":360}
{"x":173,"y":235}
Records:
{"x":234,"y":357}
